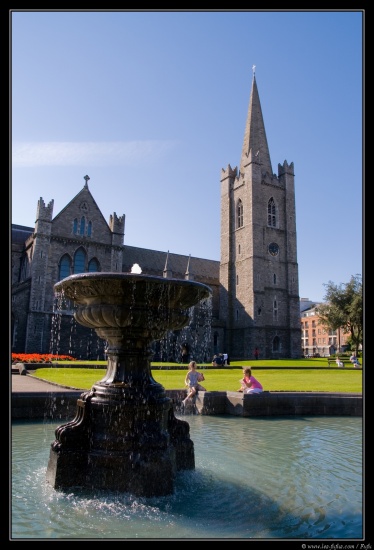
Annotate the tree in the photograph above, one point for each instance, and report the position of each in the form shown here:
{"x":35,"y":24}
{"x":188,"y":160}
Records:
{"x":343,"y":308}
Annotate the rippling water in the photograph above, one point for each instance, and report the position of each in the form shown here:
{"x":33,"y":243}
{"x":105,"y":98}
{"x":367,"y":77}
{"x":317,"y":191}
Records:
{"x":267,"y":478}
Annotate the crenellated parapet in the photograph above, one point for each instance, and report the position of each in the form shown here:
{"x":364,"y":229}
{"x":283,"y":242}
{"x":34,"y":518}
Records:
{"x":239,"y":178}
{"x":270,"y":179}
{"x":117,"y":223}
{"x":286,"y":168}
{"x":44,"y":212}
{"x":117,"y":227}
{"x":229,"y":172}
{"x":43,"y":223}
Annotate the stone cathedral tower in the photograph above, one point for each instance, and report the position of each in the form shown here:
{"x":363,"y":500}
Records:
{"x":259,"y":294}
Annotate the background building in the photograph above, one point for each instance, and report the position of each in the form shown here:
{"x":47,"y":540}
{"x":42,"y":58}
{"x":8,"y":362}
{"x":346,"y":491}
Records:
{"x":255,"y":300}
{"x":316,"y":340}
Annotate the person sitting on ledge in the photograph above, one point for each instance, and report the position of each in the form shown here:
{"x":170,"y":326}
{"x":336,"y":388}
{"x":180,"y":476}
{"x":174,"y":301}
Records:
{"x":192,"y":381}
{"x":249,"y":384}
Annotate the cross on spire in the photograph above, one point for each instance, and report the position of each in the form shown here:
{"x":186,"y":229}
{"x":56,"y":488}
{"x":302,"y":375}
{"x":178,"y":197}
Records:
{"x":86,"y":178}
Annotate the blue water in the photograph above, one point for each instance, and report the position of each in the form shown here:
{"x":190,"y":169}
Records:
{"x":255,"y":478}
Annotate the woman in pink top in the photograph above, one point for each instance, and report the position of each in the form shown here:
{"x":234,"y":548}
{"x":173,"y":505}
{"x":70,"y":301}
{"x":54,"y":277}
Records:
{"x":249,"y":384}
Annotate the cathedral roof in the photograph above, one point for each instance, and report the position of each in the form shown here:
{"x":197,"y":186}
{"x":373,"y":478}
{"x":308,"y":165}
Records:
{"x":152,"y":262}
{"x":20,"y":233}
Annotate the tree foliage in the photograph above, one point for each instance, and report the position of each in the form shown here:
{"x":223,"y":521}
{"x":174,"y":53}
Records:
{"x":343,"y":308}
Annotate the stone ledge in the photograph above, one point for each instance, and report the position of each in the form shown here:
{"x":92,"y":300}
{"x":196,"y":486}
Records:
{"x":62,"y":405}
{"x":280,"y":404}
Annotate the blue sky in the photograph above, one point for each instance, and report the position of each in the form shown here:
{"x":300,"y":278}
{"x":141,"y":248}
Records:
{"x":152,"y":105}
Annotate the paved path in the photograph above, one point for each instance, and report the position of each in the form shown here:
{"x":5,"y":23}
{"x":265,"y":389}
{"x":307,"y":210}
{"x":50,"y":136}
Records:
{"x":30,"y":384}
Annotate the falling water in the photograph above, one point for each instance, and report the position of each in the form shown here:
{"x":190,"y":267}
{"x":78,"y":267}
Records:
{"x":197,"y":334}
{"x":88,"y":347}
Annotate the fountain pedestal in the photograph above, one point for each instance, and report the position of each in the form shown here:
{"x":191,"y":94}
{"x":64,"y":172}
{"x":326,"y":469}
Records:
{"x":125,"y":436}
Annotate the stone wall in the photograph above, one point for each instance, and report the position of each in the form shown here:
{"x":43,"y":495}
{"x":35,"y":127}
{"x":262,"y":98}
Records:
{"x":62,"y":405}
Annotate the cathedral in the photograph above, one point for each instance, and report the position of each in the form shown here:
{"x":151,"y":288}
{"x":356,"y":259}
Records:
{"x":255,"y":290}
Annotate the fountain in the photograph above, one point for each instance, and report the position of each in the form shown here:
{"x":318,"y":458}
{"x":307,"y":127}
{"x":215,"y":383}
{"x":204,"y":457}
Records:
{"x":125,"y":436}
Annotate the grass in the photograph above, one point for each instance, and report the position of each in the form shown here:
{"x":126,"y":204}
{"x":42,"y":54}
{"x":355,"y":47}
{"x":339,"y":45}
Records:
{"x":290,"y":375}
{"x":317,"y":362}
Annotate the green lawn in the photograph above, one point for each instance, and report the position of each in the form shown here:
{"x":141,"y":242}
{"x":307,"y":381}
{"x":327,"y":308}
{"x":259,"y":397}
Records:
{"x":292,"y":378}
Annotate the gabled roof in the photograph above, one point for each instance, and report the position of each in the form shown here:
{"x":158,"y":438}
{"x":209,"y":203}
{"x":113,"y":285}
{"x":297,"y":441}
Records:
{"x":84,"y":194}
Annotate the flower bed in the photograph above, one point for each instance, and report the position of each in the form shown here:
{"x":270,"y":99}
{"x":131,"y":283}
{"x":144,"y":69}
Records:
{"x":39,"y":358}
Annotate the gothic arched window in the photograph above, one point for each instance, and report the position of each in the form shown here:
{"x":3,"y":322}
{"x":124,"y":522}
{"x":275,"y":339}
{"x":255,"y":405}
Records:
{"x":93,"y":265}
{"x":25,"y":268}
{"x":64,"y":268}
{"x":239,"y":214}
{"x":79,"y":261}
{"x":272,"y":216}
{"x":82,"y":226}
{"x":276,"y":343}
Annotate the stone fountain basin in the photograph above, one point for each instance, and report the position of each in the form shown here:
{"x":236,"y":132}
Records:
{"x":106,"y":299}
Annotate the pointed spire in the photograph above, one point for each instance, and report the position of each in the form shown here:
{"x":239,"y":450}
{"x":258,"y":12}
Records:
{"x":255,"y":145}
{"x":187,"y":274}
{"x":166,"y":262}
{"x":167,"y":272}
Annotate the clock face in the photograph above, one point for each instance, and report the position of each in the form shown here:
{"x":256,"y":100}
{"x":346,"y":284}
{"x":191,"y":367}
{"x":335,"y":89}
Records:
{"x":273,"y":249}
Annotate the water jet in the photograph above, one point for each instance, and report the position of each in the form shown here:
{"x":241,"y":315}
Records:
{"x":125,"y":436}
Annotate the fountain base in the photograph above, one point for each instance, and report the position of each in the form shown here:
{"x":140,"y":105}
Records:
{"x":121,"y":439}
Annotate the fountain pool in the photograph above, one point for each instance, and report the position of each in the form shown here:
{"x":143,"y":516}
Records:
{"x":254,"y":478}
